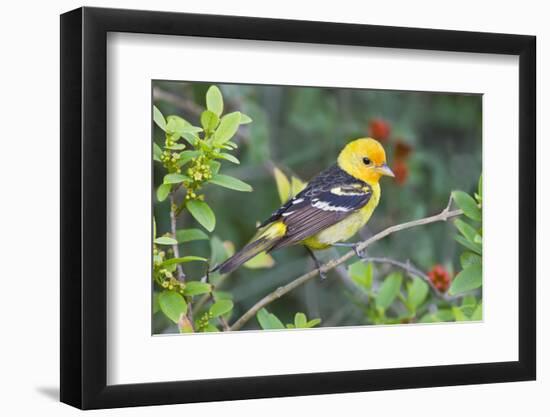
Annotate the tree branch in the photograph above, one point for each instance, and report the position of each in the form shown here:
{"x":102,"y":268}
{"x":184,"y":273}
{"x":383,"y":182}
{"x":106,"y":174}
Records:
{"x":411,"y":270}
{"x":173,"y":229}
{"x":279,"y":292}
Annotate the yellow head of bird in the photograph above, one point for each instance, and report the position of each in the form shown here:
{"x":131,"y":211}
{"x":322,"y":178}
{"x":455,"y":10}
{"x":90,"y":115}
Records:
{"x":364,"y":159}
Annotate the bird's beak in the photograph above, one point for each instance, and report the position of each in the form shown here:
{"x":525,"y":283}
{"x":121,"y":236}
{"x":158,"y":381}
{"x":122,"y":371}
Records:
{"x":385,"y":170}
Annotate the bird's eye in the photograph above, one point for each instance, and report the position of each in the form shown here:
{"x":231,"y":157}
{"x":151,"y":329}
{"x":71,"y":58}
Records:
{"x":366,"y":161}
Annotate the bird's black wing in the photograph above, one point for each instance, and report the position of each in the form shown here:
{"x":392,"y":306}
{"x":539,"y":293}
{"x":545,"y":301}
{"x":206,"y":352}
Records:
{"x":327,"y":199}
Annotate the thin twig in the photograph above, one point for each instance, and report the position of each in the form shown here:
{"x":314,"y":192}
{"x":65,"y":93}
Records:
{"x":411,"y":271}
{"x":188,"y":106}
{"x":406,"y":266}
{"x":173,"y":229}
{"x":279,"y":292}
{"x":223,"y":321}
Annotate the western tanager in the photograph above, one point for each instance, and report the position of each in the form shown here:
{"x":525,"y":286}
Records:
{"x":330,"y":210}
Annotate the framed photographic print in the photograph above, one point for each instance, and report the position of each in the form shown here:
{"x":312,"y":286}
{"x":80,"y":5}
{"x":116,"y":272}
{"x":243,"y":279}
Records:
{"x":258,"y":208}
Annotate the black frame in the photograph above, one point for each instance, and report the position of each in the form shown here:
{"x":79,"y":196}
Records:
{"x":84,"y":207}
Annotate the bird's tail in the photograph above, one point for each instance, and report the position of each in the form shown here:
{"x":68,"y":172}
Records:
{"x":264,"y":240}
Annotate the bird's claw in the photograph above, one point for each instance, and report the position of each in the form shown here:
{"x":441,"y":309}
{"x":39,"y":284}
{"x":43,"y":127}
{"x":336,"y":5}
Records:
{"x":359,"y":252}
{"x":322,"y":274}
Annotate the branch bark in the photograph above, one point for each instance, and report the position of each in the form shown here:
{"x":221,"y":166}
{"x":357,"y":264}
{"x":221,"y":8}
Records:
{"x":446,"y":214}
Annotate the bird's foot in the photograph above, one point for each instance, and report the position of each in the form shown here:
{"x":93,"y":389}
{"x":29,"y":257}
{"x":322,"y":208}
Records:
{"x":361,"y":253}
{"x":322,"y":273}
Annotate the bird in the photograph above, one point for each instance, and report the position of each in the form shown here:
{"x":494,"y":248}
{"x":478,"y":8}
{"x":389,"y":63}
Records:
{"x":329,"y":211}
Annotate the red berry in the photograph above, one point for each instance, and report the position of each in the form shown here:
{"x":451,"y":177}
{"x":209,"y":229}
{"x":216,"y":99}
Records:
{"x":440,"y":278}
{"x":401,"y":171}
{"x":379,"y":129}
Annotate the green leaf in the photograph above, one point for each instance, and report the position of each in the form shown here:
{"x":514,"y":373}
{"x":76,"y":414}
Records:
{"x":313,"y":323}
{"x":163,"y":191}
{"x":438,"y":316}
{"x":191,"y":138}
{"x":202,"y":213}
{"x":468,"y":279}
{"x":191,"y":129}
{"x":268,"y":321}
{"x":214,"y":100}
{"x":227,"y":128}
{"x":209,"y":120}
{"x":300,"y":320}
{"x":221,"y":307}
{"x":172,"y":304}
{"x":183,"y":259}
{"x":165,"y":240}
{"x":228,"y":157}
{"x":178,"y":125}
{"x":458,"y":314}
{"x":175,"y":127}
{"x":159,"y":118}
{"x":469,"y":303}
{"x":283,"y":185}
{"x":214,"y":167}
{"x":230,"y":182}
{"x":467,"y":204}
{"x":297,"y":185}
{"x":245,"y":119}
{"x":469,"y":258}
{"x":186,"y":156}
{"x":176,"y":147}
{"x":361,"y":274}
{"x":428,"y":318}
{"x":222,"y":295}
{"x":469,"y":300}
{"x":473,"y":246}
{"x":196,"y":288}
{"x":477,"y":315}
{"x":445,"y":315}
{"x":261,"y":260}
{"x":180,"y":128}
{"x":417,"y":292}
{"x":157,"y":152}
{"x":175,"y":178}
{"x":210,"y":328}
{"x":467,"y":231}
{"x":189,"y":235}
{"x":388,"y":290}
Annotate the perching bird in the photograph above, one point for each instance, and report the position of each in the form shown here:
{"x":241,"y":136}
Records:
{"x":329,"y":211}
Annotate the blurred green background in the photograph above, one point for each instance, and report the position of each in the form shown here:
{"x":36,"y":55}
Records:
{"x":433,"y":143}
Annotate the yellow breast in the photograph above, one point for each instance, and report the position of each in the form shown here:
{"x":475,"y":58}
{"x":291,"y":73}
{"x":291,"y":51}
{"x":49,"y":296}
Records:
{"x":346,"y":228}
